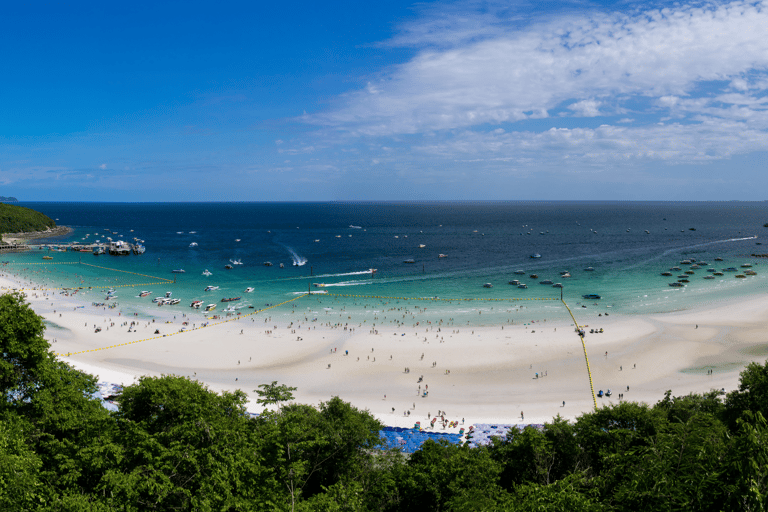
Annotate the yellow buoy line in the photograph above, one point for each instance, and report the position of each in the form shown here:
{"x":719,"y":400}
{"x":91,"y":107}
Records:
{"x":160,"y":280}
{"x":429,"y":298}
{"x":160,"y":336}
{"x":586,"y":357}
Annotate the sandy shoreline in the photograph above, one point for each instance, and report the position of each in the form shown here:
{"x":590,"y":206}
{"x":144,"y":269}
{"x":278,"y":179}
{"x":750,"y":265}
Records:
{"x":493,"y":370}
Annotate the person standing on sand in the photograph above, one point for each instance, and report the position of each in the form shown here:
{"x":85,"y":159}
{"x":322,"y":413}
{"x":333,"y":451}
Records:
{"x":522,"y":416}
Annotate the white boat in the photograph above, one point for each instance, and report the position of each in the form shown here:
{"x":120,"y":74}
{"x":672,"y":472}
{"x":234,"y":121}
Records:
{"x":236,"y":262}
{"x":193,"y":244}
{"x":144,"y":293}
{"x":196,"y":304}
{"x":442,"y":256}
{"x":249,"y":289}
{"x":210,"y":307}
{"x":178,"y":271}
{"x":519,"y":272}
{"x":207,"y":273}
{"x":282,"y":266}
{"x":168,"y":294}
{"x":211,"y":288}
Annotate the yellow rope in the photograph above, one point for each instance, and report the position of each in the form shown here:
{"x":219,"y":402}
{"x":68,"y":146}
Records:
{"x":586,"y":357}
{"x":423,"y":298}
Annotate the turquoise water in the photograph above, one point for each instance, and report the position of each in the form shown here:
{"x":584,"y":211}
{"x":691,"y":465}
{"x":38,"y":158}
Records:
{"x":335,"y":245}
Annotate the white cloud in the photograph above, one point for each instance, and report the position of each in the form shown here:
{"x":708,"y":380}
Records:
{"x":491,"y":71}
{"x":103,"y":166}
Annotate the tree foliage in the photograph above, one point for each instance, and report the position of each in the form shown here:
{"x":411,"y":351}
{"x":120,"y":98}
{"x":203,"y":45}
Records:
{"x":18,"y":219}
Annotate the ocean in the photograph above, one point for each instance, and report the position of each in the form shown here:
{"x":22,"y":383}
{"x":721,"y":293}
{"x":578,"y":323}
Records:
{"x":329,"y":249}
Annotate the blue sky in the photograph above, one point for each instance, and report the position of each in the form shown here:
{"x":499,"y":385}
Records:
{"x":304,"y":101}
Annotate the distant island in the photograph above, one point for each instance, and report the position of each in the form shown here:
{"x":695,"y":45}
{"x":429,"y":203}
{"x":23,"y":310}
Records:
{"x":24,"y":223}
{"x":4,"y":199}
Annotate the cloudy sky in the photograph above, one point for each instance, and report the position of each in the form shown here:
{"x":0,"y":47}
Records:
{"x":304,"y":101}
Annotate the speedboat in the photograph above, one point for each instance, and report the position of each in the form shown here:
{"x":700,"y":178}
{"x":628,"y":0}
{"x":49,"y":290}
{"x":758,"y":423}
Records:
{"x":514,"y":282}
{"x":591,"y":296}
{"x":409,"y":261}
{"x":557,"y":285}
{"x":421,"y":246}
{"x":210,"y":307}
{"x":534,"y":276}
{"x":236,"y":262}
{"x":589,"y":269}
{"x":318,"y":285}
{"x":267,"y":263}
{"x":196,"y":304}
{"x":249,"y":289}
{"x":718,"y":259}
{"x":546,"y":281}
{"x":709,"y":277}
{"x":537,"y":255}
{"x":281,"y":265}
{"x":666,"y":273}
{"x":207,"y":273}
{"x":228,"y":267}
{"x":487,"y":285}
{"x":519,"y":272}
{"x":144,"y":294}
{"x":522,"y":286}
{"x":178,"y":271}
{"x":193,"y":244}
{"x":442,"y":256}
{"x":210,"y":288}
{"x":230,"y":299}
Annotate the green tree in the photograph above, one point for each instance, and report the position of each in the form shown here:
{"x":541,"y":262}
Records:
{"x":752,"y":394}
{"x":274,"y":394}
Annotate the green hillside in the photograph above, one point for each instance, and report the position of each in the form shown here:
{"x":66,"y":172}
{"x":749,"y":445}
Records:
{"x":17,"y":219}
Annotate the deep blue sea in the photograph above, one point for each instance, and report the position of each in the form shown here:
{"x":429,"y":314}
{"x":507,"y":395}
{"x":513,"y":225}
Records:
{"x":334,"y":245}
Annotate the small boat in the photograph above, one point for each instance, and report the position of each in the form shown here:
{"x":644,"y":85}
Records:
{"x":47,"y":257}
{"x":210,"y":307}
{"x":178,"y":271}
{"x":207,"y":273}
{"x":695,"y":267}
{"x":591,"y":296}
{"x":228,"y":267}
{"x":236,"y":262}
{"x":718,"y":274}
{"x":537,"y":255}
{"x":709,"y":277}
{"x":685,"y":262}
{"x":666,"y":274}
{"x":683,"y":281}
{"x":168,"y":294}
{"x":750,"y":273}
{"x":711,"y":270}
{"x":740,"y":276}
{"x":193,"y":244}
{"x":249,"y":289}
{"x":230,"y":299}
{"x":421,"y":246}
{"x":746,"y":265}
{"x":237,"y":239}
{"x":514,"y":282}
{"x":173,"y":302}
{"x":210,"y":288}
{"x":281,"y":265}
{"x":144,"y":294}
{"x":519,"y":272}
{"x":318,"y":285}
{"x":567,"y":274}
{"x":409,"y":261}
{"x":718,"y":259}
{"x":546,"y":281}
{"x":730,"y":269}
{"x":196,"y":304}
{"x":534,"y":276}
{"x":690,"y":272}
{"x":683,"y":276}
{"x":442,"y":256}
{"x":557,"y":285}
{"x":522,"y":286}
{"x":267,"y":263}
{"x":676,"y":269}
{"x":487,"y":285}
{"x":676,"y":285}
{"x":589,"y":269}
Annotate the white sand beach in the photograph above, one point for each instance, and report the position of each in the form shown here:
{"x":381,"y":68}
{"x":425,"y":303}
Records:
{"x":480,"y":375}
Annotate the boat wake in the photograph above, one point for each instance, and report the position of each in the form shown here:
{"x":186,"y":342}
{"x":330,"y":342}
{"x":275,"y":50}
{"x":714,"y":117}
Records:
{"x":298,"y":261}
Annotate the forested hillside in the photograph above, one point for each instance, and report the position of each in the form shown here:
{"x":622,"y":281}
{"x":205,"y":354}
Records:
{"x":176,"y":445}
{"x":18,"y":219}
